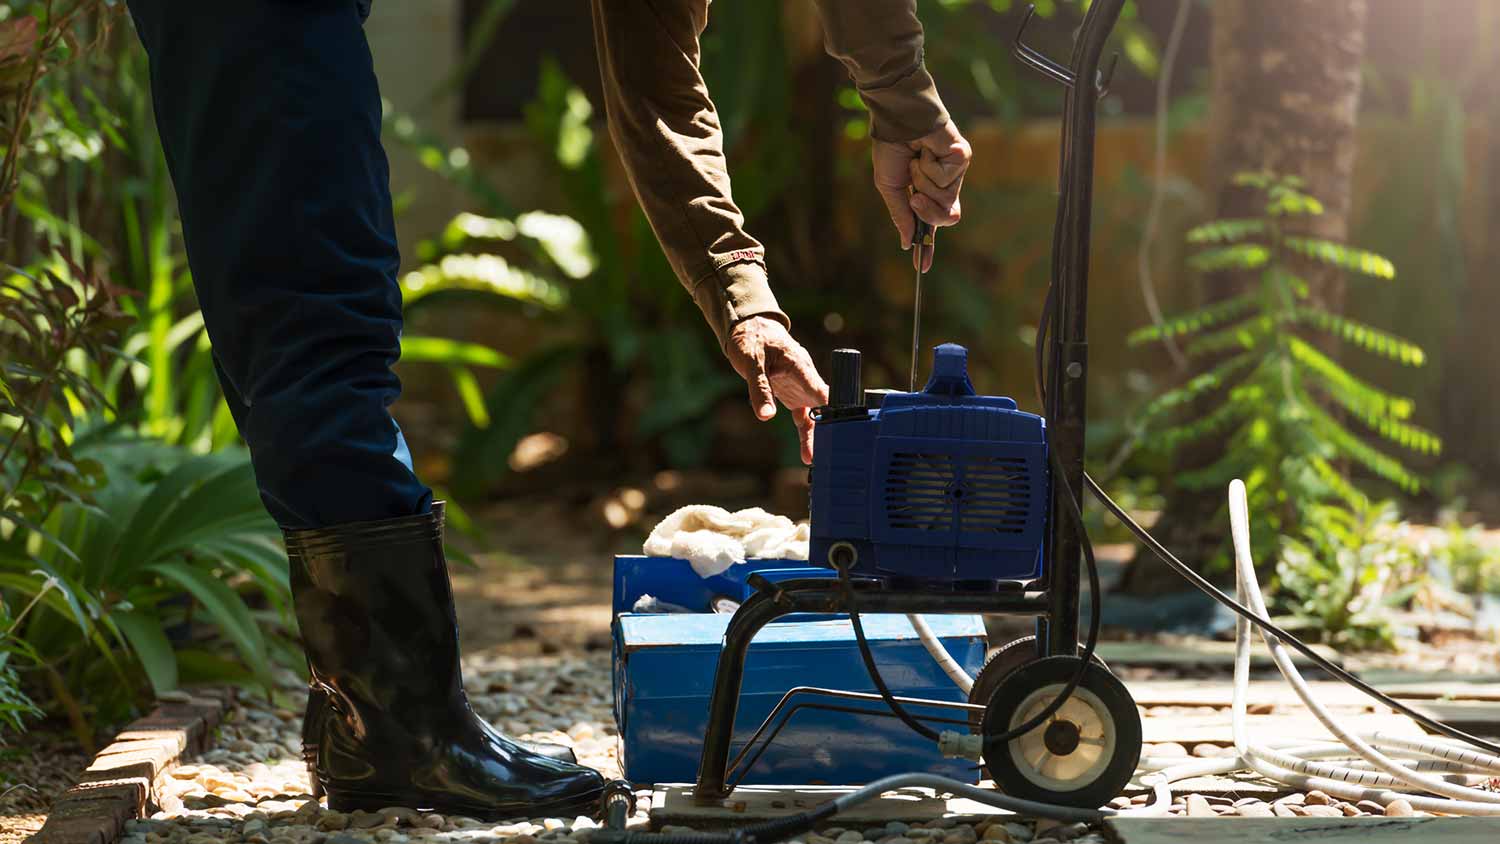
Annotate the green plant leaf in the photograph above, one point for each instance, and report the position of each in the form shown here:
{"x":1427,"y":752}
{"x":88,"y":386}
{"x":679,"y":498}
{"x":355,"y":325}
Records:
{"x":148,"y":640}
{"x":1239,"y":256}
{"x":1226,"y":231}
{"x":1370,"y":339}
{"x":448,"y":352}
{"x":482,"y":454}
{"x":489,"y":274}
{"x":225,"y":607}
{"x":1203,"y":318}
{"x":1339,"y":255}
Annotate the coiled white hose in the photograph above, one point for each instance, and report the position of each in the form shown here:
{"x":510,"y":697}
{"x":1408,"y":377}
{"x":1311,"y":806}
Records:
{"x":1372,"y":775}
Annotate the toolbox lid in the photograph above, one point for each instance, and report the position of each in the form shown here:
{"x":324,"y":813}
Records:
{"x":638,"y":632}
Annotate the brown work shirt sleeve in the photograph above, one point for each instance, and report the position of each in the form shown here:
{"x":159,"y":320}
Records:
{"x":668,"y":136}
{"x":880,"y":42}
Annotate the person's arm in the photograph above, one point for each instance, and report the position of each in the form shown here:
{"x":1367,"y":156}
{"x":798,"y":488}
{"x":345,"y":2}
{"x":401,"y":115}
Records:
{"x":667,"y":133}
{"x":668,"y":136}
{"x":918,"y":154}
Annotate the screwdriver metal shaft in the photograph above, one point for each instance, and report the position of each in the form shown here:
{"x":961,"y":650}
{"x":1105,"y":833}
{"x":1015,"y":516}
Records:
{"x":923,"y":238}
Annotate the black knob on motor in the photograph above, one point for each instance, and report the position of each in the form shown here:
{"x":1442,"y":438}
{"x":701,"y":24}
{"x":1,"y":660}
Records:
{"x":846,"y":389}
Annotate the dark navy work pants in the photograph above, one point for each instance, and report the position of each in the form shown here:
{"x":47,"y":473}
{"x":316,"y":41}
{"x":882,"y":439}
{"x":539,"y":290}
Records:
{"x":270,"y":117}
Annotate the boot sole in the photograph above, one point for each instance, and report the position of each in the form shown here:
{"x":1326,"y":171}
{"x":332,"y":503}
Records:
{"x":347,"y":801}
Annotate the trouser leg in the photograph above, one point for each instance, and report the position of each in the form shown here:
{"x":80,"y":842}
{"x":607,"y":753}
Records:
{"x":269,"y":114}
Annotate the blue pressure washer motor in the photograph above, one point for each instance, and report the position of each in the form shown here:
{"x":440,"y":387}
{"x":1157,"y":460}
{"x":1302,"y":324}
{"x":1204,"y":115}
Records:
{"x":941,"y":485}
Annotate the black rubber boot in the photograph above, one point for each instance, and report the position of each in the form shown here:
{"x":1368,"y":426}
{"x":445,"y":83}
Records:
{"x":376,"y":612}
{"x":318,"y":712}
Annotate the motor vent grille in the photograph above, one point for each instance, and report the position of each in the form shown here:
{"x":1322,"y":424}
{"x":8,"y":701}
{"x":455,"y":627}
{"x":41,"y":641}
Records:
{"x":935,"y":491}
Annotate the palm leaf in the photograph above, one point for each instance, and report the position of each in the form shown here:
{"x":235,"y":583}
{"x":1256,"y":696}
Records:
{"x":480,"y":273}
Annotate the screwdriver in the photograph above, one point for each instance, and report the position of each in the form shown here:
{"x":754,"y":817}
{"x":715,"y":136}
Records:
{"x":923,"y":238}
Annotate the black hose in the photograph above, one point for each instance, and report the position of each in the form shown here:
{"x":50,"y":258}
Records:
{"x":872,"y":669}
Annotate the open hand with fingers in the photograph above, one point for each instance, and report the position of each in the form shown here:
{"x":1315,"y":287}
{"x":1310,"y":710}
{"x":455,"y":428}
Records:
{"x":776,"y":367}
{"x":922,"y":178}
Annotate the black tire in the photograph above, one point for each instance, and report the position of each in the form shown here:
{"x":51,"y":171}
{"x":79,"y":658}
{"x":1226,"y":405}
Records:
{"x":1100,"y":713}
{"x":998,"y":666}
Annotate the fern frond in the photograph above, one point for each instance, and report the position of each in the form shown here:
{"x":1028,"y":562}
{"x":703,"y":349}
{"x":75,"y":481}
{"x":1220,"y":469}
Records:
{"x":1404,"y":434}
{"x":1212,"y":380}
{"x":1206,"y":317}
{"x":1240,"y":256}
{"x":1348,"y":444}
{"x":1339,"y":255}
{"x":1244,"y":335}
{"x":1287,"y":200}
{"x":1260,"y":180}
{"x":1338,"y":483}
{"x":1226,"y":231}
{"x":1242,"y":402}
{"x":1360,"y":397}
{"x":1370,"y":339}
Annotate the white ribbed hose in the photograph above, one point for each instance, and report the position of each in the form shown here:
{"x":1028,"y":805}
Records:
{"x":940,"y":654}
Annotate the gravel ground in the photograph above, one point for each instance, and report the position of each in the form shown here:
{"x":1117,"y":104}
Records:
{"x":253,"y":787}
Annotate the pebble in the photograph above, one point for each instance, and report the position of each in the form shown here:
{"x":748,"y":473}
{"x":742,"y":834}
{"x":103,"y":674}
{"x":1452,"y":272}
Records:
{"x":1399,"y":808}
{"x":1198,"y":807}
{"x":1170,"y":748}
{"x":849,"y":837}
{"x":896,"y":828}
{"x":331,"y":821}
{"x":1283,"y":810}
{"x":1318,"y":810}
{"x":1317,"y":798}
{"x":1256,"y":809}
{"x":1370,"y":807}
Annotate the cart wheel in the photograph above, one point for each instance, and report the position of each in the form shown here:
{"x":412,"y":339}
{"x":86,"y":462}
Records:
{"x":1084,"y":756}
{"x":998,"y":666}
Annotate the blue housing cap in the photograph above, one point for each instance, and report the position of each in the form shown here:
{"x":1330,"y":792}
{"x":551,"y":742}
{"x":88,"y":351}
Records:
{"x":950,"y":372}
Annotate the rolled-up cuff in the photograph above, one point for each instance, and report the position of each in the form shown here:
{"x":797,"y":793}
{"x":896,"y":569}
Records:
{"x":907,"y":109}
{"x":734,"y":292}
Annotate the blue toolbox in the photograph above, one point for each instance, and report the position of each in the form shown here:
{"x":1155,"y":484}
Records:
{"x":664,"y":664}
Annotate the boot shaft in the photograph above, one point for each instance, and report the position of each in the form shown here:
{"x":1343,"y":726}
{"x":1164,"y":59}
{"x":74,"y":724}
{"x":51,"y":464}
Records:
{"x":376,"y":612}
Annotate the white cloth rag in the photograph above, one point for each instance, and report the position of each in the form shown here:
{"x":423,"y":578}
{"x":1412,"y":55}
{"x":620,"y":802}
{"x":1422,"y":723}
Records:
{"x":712,"y":539}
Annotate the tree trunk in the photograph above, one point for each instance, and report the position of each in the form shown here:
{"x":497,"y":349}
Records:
{"x":1285,"y":97}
